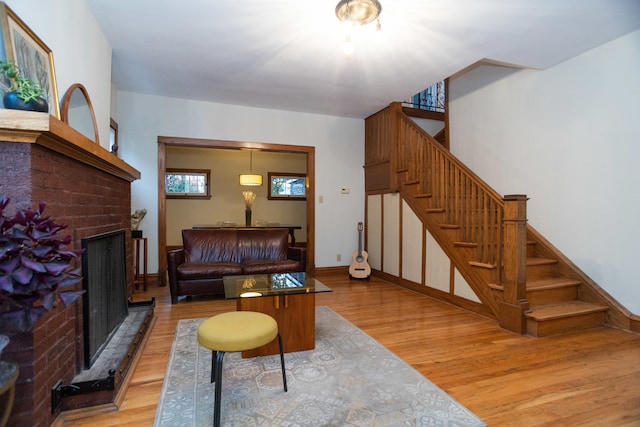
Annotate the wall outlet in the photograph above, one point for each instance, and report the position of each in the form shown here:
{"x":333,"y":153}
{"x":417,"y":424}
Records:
{"x":338,"y":257}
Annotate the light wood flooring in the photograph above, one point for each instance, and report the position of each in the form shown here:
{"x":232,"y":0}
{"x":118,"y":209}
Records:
{"x":587,"y":378}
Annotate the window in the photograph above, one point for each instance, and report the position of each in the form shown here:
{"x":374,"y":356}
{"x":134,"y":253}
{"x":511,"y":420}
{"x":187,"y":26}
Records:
{"x":287,"y":186}
{"x":187,"y":184}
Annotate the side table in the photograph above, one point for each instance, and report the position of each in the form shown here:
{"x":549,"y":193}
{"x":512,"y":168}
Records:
{"x":137,"y":242}
{"x":8,"y":376}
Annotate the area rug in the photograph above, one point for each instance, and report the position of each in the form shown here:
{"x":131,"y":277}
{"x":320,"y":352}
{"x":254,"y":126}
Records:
{"x":349,"y":379}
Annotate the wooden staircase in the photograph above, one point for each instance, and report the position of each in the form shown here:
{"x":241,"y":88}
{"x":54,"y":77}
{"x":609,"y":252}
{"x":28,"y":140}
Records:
{"x":554,"y":305}
{"x":528,"y":285}
{"x":554,"y":301}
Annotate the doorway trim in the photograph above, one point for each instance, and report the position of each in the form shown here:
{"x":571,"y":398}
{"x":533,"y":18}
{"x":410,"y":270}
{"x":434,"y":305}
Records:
{"x":163,"y":141}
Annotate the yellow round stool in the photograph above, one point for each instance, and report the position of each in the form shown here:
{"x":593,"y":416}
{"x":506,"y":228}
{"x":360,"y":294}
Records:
{"x":233,"y":332}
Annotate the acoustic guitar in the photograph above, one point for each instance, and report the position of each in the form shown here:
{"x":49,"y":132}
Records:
{"x":359,"y":268}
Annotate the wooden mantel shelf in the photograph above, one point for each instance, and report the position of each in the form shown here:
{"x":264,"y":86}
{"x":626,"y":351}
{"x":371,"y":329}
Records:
{"x":47,"y":131}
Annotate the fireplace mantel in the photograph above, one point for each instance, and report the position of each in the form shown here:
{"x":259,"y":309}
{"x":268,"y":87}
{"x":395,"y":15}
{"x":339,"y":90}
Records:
{"x":47,"y":131}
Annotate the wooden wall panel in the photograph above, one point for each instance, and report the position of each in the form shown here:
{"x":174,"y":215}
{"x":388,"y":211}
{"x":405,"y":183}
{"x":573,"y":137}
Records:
{"x":438,"y":266}
{"x":462,"y":289}
{"x":374,"y":231}
{"x":377,"y":176}
{"x":391,"y":234}
{"x":412,"y":255}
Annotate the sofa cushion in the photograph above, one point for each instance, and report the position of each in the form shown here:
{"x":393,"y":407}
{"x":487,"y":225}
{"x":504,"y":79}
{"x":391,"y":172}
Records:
{"x":266,"y":244}
{"x":210,"y":245}
{"x":270,"y":266}
{"x":204,"y":270}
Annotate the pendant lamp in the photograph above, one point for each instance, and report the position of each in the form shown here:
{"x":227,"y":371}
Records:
{"x":250,"y":179}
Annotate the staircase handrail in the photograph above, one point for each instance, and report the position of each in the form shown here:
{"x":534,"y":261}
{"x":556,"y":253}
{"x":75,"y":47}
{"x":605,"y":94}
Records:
{"x":452,"y":186}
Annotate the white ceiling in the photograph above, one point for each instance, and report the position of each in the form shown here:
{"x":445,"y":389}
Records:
{"x":287,"y":54}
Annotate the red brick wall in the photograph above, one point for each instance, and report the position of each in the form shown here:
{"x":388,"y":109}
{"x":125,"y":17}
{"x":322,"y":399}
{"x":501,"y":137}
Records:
{"x":90,"y":202}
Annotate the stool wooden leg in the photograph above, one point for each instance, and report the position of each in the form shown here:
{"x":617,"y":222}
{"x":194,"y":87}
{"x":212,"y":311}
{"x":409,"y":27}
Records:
{"x":218,"y":392}
{"x":284,"y":373}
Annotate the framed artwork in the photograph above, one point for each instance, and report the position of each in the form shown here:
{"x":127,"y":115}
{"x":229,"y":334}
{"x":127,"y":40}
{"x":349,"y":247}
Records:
{"x":31,"y":55}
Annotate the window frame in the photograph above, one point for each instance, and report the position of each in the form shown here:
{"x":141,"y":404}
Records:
{"x":272,"y":196}
{"x":185,"y":171}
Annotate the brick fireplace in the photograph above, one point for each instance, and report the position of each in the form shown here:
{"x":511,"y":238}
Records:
{"x":85,"y":187}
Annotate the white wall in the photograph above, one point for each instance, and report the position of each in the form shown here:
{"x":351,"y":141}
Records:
{"x":81,"y":53}
{"x":338,"y":142}
{"x":568,"y":137}
{"x":432,"y":127}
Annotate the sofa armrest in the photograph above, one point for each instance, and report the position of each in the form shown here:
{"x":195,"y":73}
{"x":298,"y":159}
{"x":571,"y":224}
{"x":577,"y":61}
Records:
{"x":174,"y":259}
{"x":299,"y":254}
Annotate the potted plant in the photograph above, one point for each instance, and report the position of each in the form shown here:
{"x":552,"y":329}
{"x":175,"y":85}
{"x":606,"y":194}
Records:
{"x":35,"y":267}
{"x":23,"y":93}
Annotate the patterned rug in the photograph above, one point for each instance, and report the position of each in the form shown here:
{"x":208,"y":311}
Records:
{"x":348,"y":380}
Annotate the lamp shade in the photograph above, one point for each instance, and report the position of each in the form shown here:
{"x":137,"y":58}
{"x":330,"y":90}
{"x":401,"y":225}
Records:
{"x":250,"y":179}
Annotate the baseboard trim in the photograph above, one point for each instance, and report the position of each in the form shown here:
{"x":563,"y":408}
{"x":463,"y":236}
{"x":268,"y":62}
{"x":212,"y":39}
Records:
{"x":338,"y":270}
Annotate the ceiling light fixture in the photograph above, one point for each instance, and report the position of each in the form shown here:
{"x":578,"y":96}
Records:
{"x":357,"y":13}
{"x":250,"y":179}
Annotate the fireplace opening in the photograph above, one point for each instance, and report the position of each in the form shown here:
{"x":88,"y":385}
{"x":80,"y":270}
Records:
{"x":114,"y":327}
{"x":105,"y":300}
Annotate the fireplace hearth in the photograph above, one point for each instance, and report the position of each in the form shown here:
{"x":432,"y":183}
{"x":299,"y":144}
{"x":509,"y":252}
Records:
{"x":100,"y":383}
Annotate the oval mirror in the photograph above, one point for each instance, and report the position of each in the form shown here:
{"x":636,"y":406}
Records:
{"x":77,"y":112}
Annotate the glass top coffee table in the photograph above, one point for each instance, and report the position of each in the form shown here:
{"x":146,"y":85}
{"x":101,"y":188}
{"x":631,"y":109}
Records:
{"x":264,"y":285}
{"x":287,"y":297}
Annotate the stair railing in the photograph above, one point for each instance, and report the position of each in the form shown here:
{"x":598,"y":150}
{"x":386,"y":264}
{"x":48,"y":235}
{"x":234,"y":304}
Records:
{"x":467,"y":202}
{"x":470,"y":206}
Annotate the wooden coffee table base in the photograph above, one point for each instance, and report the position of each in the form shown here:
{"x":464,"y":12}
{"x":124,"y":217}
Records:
{"x":296,"y":317}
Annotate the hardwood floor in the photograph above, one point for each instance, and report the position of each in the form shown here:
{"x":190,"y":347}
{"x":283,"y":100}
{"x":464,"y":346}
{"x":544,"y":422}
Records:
{"x":587,"y":378}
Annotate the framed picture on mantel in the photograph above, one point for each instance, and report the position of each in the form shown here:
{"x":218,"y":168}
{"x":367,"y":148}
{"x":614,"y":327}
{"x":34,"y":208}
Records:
{"x":30,"y":54}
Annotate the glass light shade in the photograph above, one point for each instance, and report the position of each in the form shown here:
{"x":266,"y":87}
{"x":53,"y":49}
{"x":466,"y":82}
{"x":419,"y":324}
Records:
{"x":358,"y":12}
{"x":250,"y":179}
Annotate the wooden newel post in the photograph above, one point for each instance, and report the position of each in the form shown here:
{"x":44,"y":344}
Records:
{"x":514,"y":278}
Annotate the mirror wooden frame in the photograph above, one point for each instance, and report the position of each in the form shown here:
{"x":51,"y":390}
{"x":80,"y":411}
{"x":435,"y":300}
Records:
{"x":65,"y":107}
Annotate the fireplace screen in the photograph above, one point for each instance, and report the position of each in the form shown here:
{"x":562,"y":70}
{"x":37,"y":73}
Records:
{"x":104,"y":280}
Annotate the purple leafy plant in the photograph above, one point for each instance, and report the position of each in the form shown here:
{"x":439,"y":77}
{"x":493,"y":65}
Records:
{"x":35,"y":267}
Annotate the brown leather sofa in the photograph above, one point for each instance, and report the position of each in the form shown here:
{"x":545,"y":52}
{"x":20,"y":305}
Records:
{"x":208,"y":255}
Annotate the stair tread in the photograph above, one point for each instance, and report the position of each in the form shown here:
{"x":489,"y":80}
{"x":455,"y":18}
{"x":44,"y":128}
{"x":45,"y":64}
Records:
{"x":540,"y":261}
{"x":482,"y":265}
{"x":466,"y":244}
{"x":564,"y":309}
{"x":551,"y":283}
{"x":449,"y":226}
